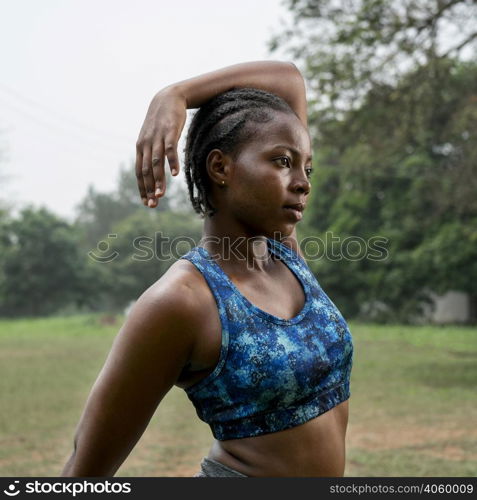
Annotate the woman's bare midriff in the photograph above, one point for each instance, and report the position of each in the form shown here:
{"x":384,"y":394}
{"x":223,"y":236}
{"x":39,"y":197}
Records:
{"x":315,"y":448}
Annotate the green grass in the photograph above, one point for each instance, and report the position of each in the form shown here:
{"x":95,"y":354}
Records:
{"x":412,"y":410}
{"x":413,"y":401}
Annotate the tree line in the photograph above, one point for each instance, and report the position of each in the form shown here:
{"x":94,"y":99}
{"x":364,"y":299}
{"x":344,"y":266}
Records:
{"x":103,"y":260}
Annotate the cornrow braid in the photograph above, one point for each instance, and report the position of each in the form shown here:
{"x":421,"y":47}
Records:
{"x":220,"y":123}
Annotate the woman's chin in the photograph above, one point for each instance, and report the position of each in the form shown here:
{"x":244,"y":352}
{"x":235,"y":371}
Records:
{"x":281,"y":231}
{"x":276,"y":229}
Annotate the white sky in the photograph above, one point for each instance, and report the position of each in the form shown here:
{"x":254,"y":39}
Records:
{"x":77,"y":77}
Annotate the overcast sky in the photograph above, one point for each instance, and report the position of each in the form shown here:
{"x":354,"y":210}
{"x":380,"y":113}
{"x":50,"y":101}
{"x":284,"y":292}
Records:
{"x":77,"y":77}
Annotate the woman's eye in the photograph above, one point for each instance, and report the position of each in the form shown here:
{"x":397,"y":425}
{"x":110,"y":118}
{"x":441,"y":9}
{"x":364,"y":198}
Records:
{"x":284,"y":161}
{"x":308,"y":171}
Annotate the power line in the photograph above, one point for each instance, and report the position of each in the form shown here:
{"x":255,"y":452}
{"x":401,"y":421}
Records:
{"x":75,"y":138}
{"x":65,"y":119}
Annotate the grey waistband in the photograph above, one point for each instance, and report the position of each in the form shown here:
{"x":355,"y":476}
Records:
{"x":211,"y":468}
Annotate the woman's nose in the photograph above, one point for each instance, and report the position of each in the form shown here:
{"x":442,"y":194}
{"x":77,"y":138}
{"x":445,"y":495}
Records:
{"x":301,"y":184}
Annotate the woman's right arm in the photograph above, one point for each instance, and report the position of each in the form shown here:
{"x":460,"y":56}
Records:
{"x":166,"y":115}
{"x":146,"y":359}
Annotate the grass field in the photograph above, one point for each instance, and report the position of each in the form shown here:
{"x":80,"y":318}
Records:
{"x":412,"y":411}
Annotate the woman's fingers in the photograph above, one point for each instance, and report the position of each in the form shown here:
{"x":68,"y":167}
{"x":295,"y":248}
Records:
{"x":157,"y":163}
{"x":139,"y":178}
{"x":150,"y":173}
{"x":157,"y":141}
{"x":148,"y":177}
{"x":170,"y":147}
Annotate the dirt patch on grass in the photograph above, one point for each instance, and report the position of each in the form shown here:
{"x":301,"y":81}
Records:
{"x":451,"y":453}
{"x":440,"y":442}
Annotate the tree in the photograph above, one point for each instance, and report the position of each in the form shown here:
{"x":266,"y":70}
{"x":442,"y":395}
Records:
{"x":413,"y":185}
{"x":348,"y":47}
{"x":99,"y":211}
{"x":109,"y":223}
{"x":41,"y":265}
{"x":143,"y":247}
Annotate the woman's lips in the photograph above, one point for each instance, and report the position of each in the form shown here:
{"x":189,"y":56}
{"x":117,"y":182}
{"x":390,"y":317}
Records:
{"x":296,"y":213}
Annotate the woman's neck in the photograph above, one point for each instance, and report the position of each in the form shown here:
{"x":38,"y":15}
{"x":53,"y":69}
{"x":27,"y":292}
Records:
{"x":236,"y":246}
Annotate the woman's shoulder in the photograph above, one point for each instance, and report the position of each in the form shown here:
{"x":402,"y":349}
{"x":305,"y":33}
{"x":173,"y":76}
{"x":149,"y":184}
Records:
{"x":173,"y":313}
{"x":180,"y":291}
{"x":184,"y":276}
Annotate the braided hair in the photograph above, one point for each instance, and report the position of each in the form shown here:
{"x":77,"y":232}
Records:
{"x":221,"y":123}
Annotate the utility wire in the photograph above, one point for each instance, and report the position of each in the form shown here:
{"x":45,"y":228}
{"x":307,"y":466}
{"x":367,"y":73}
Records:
{"x":78,"y":140}
{"x":64,"y":119}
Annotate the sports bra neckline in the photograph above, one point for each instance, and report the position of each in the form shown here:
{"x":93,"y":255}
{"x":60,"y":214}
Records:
{"x":276,"y":248}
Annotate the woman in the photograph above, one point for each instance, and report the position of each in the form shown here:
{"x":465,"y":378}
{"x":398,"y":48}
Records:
{"x":240,"y":323}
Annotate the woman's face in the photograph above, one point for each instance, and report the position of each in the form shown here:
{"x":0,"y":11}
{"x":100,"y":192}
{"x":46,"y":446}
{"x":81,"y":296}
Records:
{"x":271,"y":171}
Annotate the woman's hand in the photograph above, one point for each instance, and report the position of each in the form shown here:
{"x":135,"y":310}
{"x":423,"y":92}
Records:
{"x":157,"y":140}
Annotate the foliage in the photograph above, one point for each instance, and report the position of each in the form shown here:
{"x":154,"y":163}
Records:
{"x":99,"y":211}
{"x":412,"y":184}
{"x":349,"y":47}
{"x":48,"y":265}
{"x":41,"y":267}
{"x":119,"y":222}
{"x":135,"y":257}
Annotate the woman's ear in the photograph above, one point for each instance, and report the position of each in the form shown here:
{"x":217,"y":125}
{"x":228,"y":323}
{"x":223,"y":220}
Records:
{"x":218,"y":167}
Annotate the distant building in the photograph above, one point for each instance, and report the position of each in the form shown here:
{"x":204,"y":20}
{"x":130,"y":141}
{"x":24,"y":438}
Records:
{"x":452,"y":307}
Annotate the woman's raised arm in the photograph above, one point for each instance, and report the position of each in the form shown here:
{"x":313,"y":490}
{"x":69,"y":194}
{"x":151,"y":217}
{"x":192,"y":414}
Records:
{"x":166,"y":115}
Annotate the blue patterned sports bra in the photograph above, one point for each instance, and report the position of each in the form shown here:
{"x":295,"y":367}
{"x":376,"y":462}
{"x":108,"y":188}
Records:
{"x":272,"y":373}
